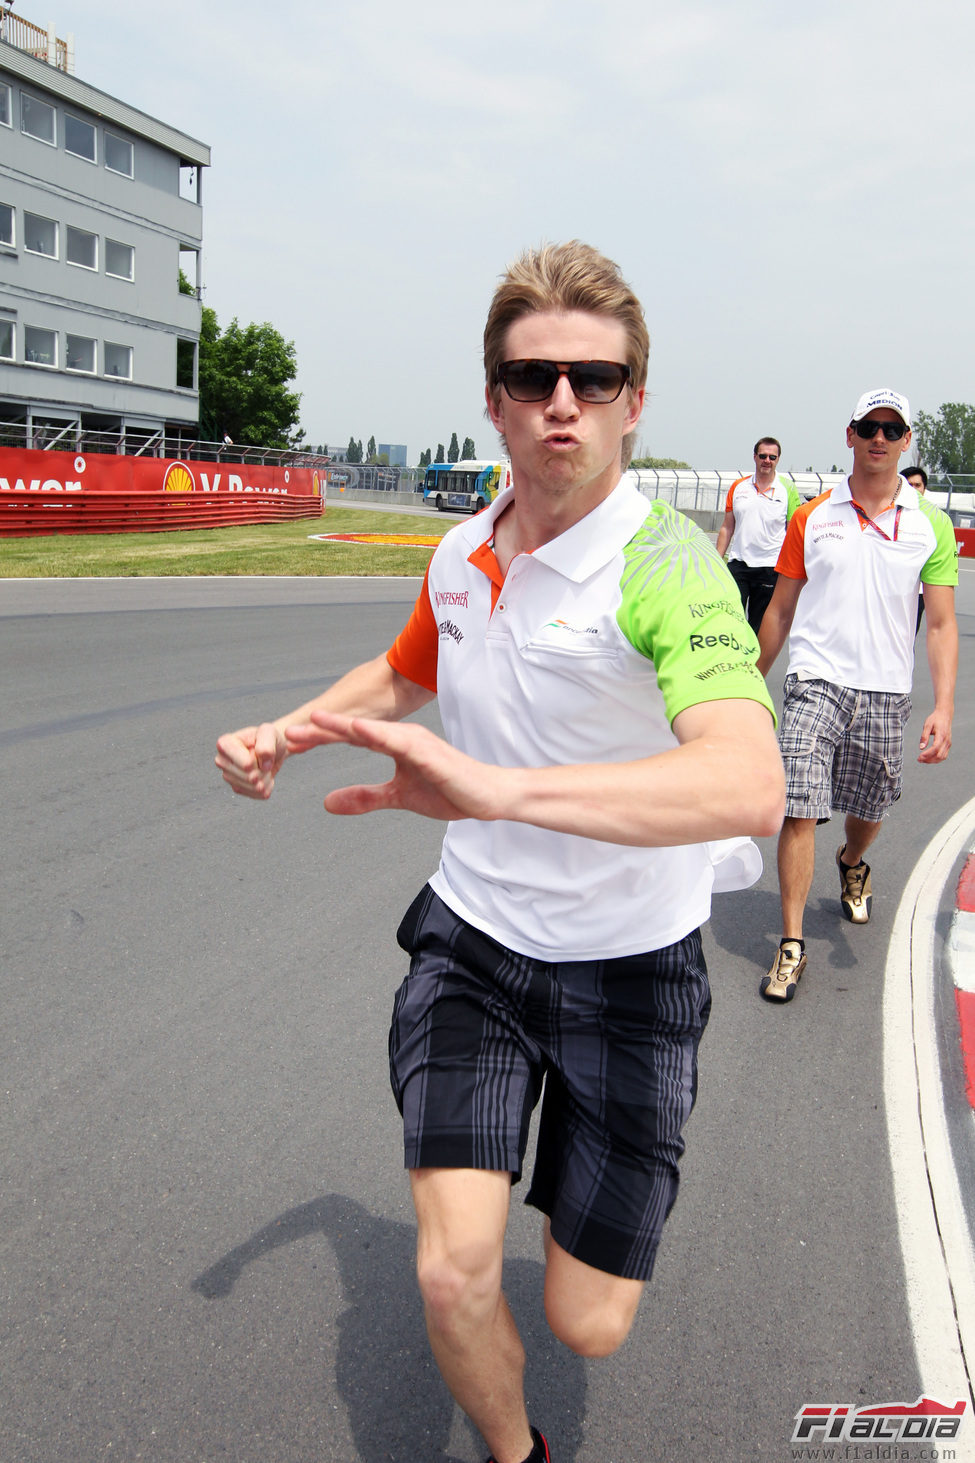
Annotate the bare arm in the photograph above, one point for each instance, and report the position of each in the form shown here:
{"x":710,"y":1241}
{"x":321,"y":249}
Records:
{"x":251,"y":758}
{"x":683,"y":795}
{"x":777,"y":621}
{"x":724,"y":534}
{"x":942,"y":649}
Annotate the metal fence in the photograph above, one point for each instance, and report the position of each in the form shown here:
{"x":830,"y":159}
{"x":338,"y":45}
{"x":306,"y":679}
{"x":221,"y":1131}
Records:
{"x":374,"y":477}
{"x":133,"y":442}
{"x":707,"y":491}
{"x":36,"y":40}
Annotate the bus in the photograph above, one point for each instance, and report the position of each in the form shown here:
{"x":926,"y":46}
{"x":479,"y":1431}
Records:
{"x":465,"y":485}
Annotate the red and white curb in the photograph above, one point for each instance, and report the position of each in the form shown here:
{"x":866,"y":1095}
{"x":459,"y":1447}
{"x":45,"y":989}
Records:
{"x":960,"y":954}
{"x":936,"y":1239}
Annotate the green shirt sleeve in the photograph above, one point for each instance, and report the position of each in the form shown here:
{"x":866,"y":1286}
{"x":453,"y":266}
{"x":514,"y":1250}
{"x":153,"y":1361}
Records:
{"x":942,"y":565}
{"x":793,"y":499}
{"x":681,"y":609}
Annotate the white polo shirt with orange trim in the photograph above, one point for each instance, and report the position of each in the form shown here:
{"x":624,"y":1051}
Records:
{"x":585,"y":652}
{"x":761,"y":516}
{"x":855,"y":619}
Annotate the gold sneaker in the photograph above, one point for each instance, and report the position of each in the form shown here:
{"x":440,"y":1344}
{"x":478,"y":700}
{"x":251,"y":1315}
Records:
{"x":786,"y":973}
{"x":855,"y":891}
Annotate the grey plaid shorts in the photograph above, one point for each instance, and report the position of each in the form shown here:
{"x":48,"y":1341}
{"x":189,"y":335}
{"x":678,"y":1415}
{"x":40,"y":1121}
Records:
{"x":478,"y":1029}
{"x":843,"y":749}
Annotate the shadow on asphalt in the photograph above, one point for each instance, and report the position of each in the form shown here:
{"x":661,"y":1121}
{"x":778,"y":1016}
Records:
{"x":397,"y":1405}
{"x":748,"y":925}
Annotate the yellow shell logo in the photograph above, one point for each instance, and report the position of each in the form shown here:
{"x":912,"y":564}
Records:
{"x":178,"y":479}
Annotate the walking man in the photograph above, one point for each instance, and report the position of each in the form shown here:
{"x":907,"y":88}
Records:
{"x":596,"y":680}
{"x":757,"y":512}
{"x":918,"y":479}
{"x":846,"y":599}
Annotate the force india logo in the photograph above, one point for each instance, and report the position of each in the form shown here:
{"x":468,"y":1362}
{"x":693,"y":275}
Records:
{"x":891,"y":1423}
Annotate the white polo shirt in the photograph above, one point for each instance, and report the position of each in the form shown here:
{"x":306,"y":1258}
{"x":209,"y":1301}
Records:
{"x":855,"y":619}
{"x":760,"y":520}
{"x":586,"y":653}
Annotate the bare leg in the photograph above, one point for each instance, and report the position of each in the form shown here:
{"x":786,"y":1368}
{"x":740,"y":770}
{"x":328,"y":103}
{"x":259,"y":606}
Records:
{"x":859,"y":836}
{"x":461,"y":1215}
{"x":797,"y":862}
{"x":589,"y":1311}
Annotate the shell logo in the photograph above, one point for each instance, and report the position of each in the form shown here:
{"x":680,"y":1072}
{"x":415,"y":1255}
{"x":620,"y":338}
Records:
{"x":178,"y":479}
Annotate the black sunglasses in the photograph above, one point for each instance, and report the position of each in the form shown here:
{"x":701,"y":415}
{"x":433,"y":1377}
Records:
{"x":767,"y":456}
{"x":591,"y":381}
{"x":893,"y":431}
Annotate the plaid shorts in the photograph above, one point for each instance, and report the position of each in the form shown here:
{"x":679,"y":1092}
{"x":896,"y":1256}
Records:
{"x":843,"y":750}
{"x":477,"y":1029}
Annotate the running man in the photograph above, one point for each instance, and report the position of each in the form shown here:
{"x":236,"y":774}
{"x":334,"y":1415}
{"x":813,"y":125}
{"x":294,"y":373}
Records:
{"x":596,"y":679}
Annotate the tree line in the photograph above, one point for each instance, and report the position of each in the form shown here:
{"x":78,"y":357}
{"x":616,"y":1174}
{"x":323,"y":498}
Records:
{"x":945,"y":442}
{"x":454,"y":453}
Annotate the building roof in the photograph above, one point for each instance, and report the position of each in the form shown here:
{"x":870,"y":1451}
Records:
{"x":49,"y":78}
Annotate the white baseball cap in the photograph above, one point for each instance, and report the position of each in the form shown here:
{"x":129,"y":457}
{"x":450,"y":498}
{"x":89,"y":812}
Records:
{"x":883,"y":396}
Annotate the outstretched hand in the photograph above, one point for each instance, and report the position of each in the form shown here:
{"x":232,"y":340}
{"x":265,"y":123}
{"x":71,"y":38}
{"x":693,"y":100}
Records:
{"x":430,"y":776}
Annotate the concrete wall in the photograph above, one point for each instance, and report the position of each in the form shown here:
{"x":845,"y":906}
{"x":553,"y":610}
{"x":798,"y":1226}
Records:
{"x":710,"y":522}
{"x":369,"y":495}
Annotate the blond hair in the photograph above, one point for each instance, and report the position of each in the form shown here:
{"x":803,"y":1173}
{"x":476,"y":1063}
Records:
{"x":560,"y":278}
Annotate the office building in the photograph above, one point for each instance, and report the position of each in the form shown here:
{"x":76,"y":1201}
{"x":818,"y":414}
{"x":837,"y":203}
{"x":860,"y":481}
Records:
{"x":100,"y":259}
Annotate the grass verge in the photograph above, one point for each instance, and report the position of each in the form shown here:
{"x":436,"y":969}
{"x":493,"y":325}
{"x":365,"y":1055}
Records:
{"x":262,"y":548}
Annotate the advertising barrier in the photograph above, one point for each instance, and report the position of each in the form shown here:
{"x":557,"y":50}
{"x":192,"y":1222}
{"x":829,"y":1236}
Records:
{"x":63,"y":492}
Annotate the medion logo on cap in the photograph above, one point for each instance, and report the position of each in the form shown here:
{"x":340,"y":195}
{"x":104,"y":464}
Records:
{"x":883,"y":396}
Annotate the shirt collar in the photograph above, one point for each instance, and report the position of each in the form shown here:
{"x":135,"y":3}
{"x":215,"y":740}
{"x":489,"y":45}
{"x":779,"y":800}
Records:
{"x":590,"y":544}
{"x":907,"y":497}
{"x":583,"y":548}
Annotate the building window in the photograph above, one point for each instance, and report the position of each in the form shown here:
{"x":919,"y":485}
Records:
{"x":38,"y":120}
{"x":118,"y":360}
{"x":79,"y":353}
{"x":40,"y":235}
{"x":119,"y":259}
{"x":40,"y":346}
{"x":79,"y":137}
{"x":118,"y":155}
{"x":189,"y":271}
{"x":6,"y":106}
{"x":7,"y":225}
{"x":6,"y":340}
{"x":186,"y":363}
{"x":81,"y":248}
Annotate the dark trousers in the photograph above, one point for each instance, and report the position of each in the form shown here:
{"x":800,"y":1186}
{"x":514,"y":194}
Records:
{"x":755,"y":585}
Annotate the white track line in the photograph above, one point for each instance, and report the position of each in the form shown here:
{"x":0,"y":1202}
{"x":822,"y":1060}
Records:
{"x":936,"y":1243}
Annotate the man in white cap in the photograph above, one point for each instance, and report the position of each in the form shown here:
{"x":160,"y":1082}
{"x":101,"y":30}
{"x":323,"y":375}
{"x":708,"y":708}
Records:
{"x":846,"y":598}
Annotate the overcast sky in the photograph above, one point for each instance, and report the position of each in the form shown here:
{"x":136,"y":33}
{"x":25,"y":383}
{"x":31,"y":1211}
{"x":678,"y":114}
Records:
{"x":789,"y":190}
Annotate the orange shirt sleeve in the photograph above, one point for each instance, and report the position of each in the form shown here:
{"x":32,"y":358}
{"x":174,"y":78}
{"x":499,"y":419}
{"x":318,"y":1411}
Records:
{"x":413,"y":653}
{"x":792,"y":555}
{"x":729,"y":506}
